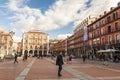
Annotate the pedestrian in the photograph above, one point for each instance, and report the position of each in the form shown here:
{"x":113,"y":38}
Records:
{"x":59,"y":62}
{"x":70,"y":58}
{"x":25,"y":56}
{"x":15,"y":58}
{"x":40,"y":55}
{"x":84,"y":58}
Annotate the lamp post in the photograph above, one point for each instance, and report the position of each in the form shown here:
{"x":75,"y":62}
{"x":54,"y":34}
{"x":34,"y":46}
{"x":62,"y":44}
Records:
{"x":66,"y":46}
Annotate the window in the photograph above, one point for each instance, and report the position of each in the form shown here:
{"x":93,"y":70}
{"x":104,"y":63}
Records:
{"x":116,"y":38}
{"x":98,"y":41}
{"x":102,"y":31}
{"x":94,"y":34}
{"x":103,"y":22}
{"x":30,"y":47}
{"x":26,"y":47}
{"x":109,"y":39}
{"x":115,"y":15}
{"x":94,"y":27}
{"x":90,"y":42}
{"x":26,"y":41}
{"x":40,"y":46}
{"x":35,"y":47}
{"x":108,"y":19}
{"x":26,"y":37}
{"x":97,"y":24}
{"x":5,"y":47}
{"x":116,"y":26}
{"x":90,"y":35}
{"x":98,"y":32}
{"x":109,"y":29}
{"x":103,"y":41}
{"x":36,"y":41}
{"x":36,"y":36}
{"x":31,"y":36}
{"x":0,"y":36}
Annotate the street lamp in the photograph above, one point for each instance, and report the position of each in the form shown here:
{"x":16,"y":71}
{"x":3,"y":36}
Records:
{"x":66,"y":45}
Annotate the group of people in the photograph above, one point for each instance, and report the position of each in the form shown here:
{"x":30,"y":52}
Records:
{"x":59,"y":61}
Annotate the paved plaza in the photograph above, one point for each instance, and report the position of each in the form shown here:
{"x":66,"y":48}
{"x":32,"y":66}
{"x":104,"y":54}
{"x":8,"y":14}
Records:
{"x":45,"y":69}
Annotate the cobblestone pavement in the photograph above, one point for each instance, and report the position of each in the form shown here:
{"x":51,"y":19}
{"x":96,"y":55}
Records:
{"x":45,"y":69}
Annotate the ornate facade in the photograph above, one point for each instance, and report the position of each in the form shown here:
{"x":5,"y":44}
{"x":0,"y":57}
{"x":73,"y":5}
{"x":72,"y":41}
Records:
{"x":35,"y":42}
{"x":6,"y":43}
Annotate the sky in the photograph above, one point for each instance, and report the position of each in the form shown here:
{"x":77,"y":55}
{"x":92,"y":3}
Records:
{"x":58,"y":18}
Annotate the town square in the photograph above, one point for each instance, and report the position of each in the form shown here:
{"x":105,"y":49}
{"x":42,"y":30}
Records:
{"x":59,"y":40}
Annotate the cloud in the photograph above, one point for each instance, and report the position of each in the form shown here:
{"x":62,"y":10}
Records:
{"x":58,"y":15}
{"x":2,"y":28}
{"x":63,"y":36}
{"x":16,"y":38}
{"x":97,"y":8}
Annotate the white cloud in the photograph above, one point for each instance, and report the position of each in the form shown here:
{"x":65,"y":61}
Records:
{"x":63,"y":36}
{"x":97,"y":8}
{"x":2,"y":28}
{"x":61,"y":13}
{"x":16,"y":38}
{"x":58,"y":15}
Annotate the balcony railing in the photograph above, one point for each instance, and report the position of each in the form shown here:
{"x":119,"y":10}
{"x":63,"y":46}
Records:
{"x":113,"y":42}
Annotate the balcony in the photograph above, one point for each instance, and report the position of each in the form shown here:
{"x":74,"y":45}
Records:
{"x":117,"y":41}
{"x":113,"y":42}
{"x":96,"y":35}
{"x":117,"y":29}
{"x":97,"y":44}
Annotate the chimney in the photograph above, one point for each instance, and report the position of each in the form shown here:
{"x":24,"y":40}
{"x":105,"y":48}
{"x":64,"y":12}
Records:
{"x":118,"y":3}
{"x":105,"y":12}
{"x":100,"y":15}
{"x":111,"y":8}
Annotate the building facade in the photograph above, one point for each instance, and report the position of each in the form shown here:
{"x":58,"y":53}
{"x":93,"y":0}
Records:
{"x":93,"y":34}
{"x":104,"y":32}
{"x":19,"y":48}
{"x":77,"y":42}
{"x":6,"y":43}
{"x":52,"y":46}
{"x":60,"y":47}
{"x":70,"y":45}
{"x":35,"y":42}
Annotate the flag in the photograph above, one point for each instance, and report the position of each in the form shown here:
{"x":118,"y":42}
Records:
{"x":85,"y":33}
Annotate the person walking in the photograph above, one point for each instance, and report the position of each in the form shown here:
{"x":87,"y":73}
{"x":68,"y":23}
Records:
{"x":25,"y":56}
{"x":84,"y":58}
{"x":15,"y":59}
{"x":59,"y":62}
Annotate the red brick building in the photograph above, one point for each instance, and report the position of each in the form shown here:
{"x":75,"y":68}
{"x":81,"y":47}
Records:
{"x":76,"y":43}
{"x":60,"y":47}
{"x":52,"y":46}
{"x":104,"y":32}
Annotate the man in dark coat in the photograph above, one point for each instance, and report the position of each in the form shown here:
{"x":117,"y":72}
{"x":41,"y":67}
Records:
{"x":59,"y":62}
{"x":15,"y":58}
